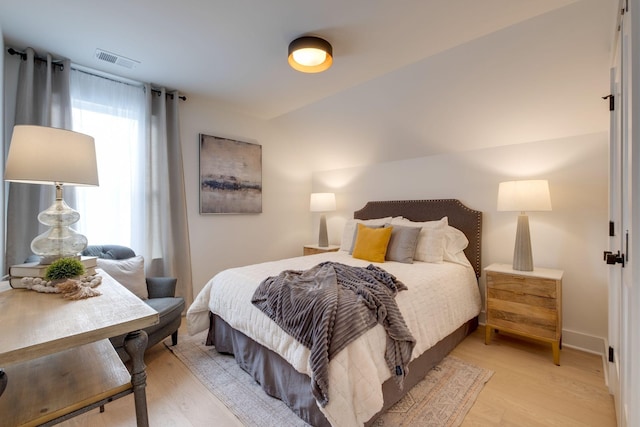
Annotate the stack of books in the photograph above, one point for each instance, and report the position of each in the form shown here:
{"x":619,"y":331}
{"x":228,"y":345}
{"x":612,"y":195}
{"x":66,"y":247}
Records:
{"x":35,"y":269}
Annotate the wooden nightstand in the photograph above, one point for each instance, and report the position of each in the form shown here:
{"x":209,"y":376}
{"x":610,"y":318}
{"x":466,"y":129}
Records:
{"x":526,"y":303}
{"x":315,"y":249}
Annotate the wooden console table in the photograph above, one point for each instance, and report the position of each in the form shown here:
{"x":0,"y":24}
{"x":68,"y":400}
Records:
{"x":55,"y":357}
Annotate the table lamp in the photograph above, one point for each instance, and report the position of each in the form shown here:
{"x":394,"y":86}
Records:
{"x":322,"y":202}
{"x":46,"y":155}
{"x":522,"y":196}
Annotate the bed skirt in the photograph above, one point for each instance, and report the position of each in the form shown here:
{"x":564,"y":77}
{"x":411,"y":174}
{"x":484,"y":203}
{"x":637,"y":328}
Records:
{"x":278,"y":379}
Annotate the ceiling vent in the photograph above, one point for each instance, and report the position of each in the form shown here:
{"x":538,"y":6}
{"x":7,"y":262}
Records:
{"x":114,"y":58}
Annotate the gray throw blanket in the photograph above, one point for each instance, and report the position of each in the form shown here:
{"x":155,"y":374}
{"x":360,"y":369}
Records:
{"x":332,"y":304}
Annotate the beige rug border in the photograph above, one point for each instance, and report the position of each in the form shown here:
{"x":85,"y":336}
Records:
{"x":233,"y":384}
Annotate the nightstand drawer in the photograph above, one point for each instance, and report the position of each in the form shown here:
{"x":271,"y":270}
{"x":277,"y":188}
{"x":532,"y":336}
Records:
{"x":545,"y":288}
{"x":522,"y":297}
{"x":531,"y":320}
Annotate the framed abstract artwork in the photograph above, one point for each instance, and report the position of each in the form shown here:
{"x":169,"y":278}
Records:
{"x":230,"y":176}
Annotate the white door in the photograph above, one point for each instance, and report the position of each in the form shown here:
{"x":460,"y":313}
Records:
{"x":625,"y":214}
{"x":630,"y":298}
{"x":615,"y":216}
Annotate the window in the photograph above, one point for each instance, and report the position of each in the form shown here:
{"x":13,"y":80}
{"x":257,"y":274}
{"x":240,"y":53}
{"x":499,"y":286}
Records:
{"x":112,"y":113}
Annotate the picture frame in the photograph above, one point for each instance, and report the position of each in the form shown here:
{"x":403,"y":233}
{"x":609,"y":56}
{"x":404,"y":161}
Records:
{"x":230,"y":176}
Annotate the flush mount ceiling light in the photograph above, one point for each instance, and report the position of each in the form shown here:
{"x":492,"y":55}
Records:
{"x":310,"y":54}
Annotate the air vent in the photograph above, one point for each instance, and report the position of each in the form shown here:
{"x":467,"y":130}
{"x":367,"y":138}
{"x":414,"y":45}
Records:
{"x":114,"y":58}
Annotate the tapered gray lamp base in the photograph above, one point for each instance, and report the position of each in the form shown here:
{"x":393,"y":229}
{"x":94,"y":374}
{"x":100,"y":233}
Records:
{"x":323,"y":239}
{"x":522,"y":258}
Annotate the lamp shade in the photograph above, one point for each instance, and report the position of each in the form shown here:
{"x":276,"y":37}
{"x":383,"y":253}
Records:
{"x":46,"y":155}
{"x":322,"y":202}
{"x":522,"y":196}
{"x":310,"y":54}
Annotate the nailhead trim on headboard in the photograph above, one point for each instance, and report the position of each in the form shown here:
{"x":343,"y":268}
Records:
{"x":465,"y":219}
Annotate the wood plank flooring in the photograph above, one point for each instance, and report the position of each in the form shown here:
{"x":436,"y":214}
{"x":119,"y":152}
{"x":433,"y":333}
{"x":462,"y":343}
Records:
{"x":527,"y":389}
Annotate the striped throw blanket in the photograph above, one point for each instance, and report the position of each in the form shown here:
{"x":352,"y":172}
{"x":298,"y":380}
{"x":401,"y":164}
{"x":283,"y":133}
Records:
{"x":332,"y":304}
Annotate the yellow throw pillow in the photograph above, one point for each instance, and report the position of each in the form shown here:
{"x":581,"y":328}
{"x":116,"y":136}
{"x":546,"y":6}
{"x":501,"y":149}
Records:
{"x":371,"y":243}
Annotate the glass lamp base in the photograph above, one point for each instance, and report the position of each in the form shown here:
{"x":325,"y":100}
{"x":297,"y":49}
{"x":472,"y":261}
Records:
{"x":60,"y":241}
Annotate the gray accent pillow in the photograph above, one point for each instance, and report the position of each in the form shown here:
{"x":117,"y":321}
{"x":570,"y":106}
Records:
{"x":402,"y":245}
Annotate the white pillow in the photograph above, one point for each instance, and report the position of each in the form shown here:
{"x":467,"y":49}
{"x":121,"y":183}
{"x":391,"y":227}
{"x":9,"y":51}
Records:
{"x":349,"y":231}
{"x":430,"y":246}
{"x":455,"y":242}
{"x":128,"y":272}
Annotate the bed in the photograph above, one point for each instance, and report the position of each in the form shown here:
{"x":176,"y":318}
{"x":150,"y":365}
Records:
{"x":360,"y":385}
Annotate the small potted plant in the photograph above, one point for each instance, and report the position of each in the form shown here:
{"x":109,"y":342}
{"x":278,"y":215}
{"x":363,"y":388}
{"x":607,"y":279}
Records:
{"x":64,"y":268}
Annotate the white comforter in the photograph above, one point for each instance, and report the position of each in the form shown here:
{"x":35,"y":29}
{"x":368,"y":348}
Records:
{"x":441,"y":297}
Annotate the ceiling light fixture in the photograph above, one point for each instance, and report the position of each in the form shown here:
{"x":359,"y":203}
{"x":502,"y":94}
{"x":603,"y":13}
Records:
{"x":310,"y":54}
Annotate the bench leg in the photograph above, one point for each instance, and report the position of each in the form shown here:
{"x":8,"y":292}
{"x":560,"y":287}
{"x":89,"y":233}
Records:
{"x":174,"y":338}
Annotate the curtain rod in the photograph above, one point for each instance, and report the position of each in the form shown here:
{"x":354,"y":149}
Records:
{"x":23,"y":56}
{"x":58,"y":62}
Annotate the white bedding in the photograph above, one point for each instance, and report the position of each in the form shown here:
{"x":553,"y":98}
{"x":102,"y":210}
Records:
{"x":441,"y":297}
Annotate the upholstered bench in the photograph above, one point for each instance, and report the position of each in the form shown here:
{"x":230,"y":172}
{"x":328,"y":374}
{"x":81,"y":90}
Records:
{"x":122,"y":263}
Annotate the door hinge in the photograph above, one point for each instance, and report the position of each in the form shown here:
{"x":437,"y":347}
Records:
{"x":611,"y":99}
{"x":611,"y":357}
{"x":611,"y":258}
{"x":612,"y":229}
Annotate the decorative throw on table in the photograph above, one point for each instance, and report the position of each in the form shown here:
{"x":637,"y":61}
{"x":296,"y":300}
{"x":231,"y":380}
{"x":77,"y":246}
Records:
{"x":65,"y":276}
{"x":328,"y":306}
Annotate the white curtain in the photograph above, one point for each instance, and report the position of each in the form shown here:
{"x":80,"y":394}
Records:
{"x":167,"y":243}
{"x":42,"y":99}
{"x":113,"y":113}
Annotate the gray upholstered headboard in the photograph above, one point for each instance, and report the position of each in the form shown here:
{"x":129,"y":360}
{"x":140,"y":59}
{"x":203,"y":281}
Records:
{"x":467,"y":220}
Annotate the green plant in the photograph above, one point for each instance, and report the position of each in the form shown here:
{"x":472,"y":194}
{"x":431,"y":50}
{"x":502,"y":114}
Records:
{"x":64,"y":268}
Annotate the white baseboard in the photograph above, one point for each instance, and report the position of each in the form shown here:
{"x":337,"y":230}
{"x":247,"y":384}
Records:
{"x":584,"y":342}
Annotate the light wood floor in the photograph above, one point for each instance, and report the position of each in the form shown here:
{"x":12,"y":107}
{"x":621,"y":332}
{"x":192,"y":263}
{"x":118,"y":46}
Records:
{"x":527,"y":389}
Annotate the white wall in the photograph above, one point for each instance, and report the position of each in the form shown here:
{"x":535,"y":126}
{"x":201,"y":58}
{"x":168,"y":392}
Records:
{"x":572,"y":237}
{"x":283,"y":227}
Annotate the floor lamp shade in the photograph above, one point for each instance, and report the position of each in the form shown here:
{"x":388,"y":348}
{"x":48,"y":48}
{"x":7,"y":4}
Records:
{"x":45,"y":155}
{"x":322,"y":202}
{"x":523,"y":196}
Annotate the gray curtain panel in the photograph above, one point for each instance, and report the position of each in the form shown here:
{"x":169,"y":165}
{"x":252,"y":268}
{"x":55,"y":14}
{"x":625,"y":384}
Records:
{"x":168,"y":250}
{"x":42,"y":99}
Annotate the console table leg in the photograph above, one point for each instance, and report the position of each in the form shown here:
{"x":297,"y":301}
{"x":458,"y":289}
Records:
{"x":3,"y":381}
{"x":135,"y":344}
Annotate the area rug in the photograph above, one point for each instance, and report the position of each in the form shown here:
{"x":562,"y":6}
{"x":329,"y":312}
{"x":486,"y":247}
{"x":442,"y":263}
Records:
{"x":443,"y":398}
